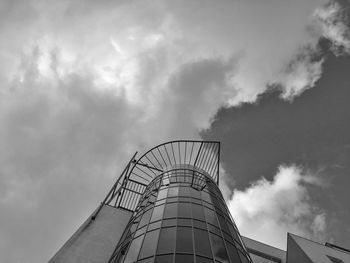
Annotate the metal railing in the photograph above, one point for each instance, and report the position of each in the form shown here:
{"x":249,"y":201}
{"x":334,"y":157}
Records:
{"x":127,"y":190}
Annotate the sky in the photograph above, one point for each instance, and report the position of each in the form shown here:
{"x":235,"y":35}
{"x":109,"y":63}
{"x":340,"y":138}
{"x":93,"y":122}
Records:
{"x":84,"y":84}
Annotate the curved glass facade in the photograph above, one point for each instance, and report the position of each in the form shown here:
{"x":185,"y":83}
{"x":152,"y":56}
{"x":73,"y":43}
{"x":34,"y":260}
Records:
{"x":181,"y":217}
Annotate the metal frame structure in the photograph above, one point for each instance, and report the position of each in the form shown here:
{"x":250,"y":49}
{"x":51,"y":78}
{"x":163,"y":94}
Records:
{"x":138,"y":173}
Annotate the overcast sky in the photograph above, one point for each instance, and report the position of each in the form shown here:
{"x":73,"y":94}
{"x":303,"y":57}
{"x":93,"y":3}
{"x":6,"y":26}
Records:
{"x":84,"y":84}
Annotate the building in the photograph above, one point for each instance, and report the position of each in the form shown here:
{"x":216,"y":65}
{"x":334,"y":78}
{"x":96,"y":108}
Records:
{"x":299,"y":250}
{"x":166,"y":207}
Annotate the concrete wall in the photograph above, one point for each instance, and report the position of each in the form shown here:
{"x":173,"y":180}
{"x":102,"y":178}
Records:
{"x":96,"y":239}
{"x":313,"y":251}
{"x":260,"y":252}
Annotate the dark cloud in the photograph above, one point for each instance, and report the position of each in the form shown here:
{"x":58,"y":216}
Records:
{"x":312,"y":131}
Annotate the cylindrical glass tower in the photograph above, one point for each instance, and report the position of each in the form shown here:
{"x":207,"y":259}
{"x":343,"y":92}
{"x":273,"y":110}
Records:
{"x":181,"y":216}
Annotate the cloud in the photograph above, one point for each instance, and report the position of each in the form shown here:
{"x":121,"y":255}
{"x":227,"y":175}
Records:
{"x":301,"y":74}
{"x":266,"y":210}
{"x":332,"y":22}
{"x":84,"y":84}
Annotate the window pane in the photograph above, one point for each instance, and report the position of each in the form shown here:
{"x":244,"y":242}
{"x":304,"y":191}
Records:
{"x":162,"y":193}
{"x":195,"y":193}
{"x":166,"y":180}
{"x":145,"y":218}
{"x":243,"y":257}
{"x":233,"y":232}
{"x":164,"y":259}
{"x":173,"y":192}
{"x":166,"y":242}
{"x":184,"y":191}
{"x":149,"y":244}
{"x":219,"y":250}
{"x":184,"y":222}
{"x":170,"y":210}
{"x":233,"y":253}
{"x":206,"y":197}
{"x":169,"y":222}
{"x":184,"y":240}
{"x":202,"y":242}
{"x":154,"y":225}
{"x":140,"y":231}
{"x":184,"y":210}
{"x":197,"y":212}
{"x":157,"y":213}
{"x":200,"y":224}
{"x":134,"y":250}
{"x":183,"y":258}
{"x":214,"y":229}
{"x":211,"y":216}
{"x":223,"y":224}
{"x":152,"y":198}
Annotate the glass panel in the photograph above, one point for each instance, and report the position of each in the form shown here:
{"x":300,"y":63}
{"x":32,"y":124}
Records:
{"x":145,"y":218}
{"x":202,"y":242}
{"x":173,"y":192}
{"x":154,"y":225}
{"x":166,"y":180}
{"x":219,"y":250}
{"x":140,"y":231}
{"x":197,"y":212}
{"x":233,"y":232}
{"x":223,"y":224}
{"x":228,"y":237}
{"x":170,"y":210}
{"x":169,"y":222}
{"x":162,"y":193}
{"x":164,"y":259}
{"x":185,"y":199}
{"x":184,"y":222}
{"x":166,"y":242}
{"x":184,"y":191}
{"x":195,"y":193}
{"x":152,"y":198}
{"x":200,"y":224}
{"x":233,"y":253}
{"x":149,"y":244}
{"x":211,"y":216}
{"x":134,"y":250}
{"x":160,"y":202}
{"x":157,"y":213}
{"x":243,"y":257}
{"x":196,"y":201}
{"x":200,"y":259}
{"x":133,"y":227}
{"x":206,"y":197}
{"x":184,"y":240}
{"x":173,"y":178}
{"x":214,"y":229}
{"x":184,"y":210}
{"x":183,"y":258}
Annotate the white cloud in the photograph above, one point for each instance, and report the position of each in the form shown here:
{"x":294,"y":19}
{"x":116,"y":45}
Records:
{"x":301,"y":74}
{"x":266,"y":210}
{"x":332,"y":22}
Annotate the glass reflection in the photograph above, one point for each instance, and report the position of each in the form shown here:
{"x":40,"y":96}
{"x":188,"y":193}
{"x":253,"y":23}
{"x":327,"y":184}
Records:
{"x":184,"y":240}
{"x":134,"y":250}
{"x":202,"y":245}
{"x":219,"y":249}
{"x":166,"y":243}
{"x":149,"y":245}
